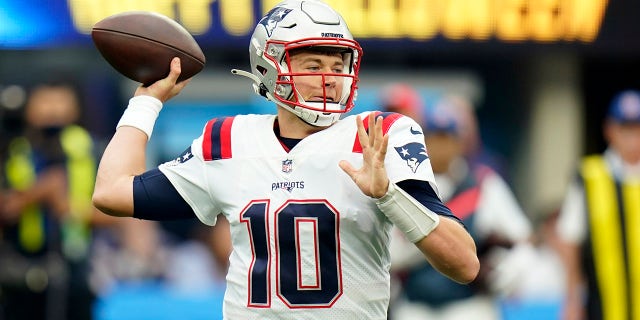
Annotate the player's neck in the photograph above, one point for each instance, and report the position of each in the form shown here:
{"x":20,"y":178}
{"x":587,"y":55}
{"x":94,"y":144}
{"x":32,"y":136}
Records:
{"x":287,"y":143}
{"x":292,"y":127}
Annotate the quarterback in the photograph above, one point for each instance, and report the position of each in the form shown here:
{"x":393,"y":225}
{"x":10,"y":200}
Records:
{"x":310,"y":195}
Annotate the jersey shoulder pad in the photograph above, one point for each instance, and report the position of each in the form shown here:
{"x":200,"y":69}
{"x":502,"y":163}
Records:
{"x":216,"y":139}
{"x":388,"y":119}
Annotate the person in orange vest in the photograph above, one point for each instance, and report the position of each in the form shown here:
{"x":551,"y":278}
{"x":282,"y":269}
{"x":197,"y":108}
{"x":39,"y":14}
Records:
{"x":599,"y":222}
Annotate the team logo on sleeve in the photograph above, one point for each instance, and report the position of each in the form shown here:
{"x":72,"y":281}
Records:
{"x":413,"y":153}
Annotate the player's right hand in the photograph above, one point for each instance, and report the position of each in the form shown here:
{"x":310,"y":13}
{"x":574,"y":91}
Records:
{"x":372,"y":177}
{"x":167,"y":88}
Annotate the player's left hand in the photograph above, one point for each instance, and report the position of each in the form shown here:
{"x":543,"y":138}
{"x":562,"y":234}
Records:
{"x":372,"y":177}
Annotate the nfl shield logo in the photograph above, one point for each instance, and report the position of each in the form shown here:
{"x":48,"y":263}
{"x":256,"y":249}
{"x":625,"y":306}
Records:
{"x":287,"y":165}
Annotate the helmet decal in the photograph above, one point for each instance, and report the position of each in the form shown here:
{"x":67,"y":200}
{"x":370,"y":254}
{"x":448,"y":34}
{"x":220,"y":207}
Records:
{"x":271,"y":19}
{"x":332,"y":35}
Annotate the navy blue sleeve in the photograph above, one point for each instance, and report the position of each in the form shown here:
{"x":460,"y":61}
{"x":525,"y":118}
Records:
{"x":424,"y":193}
{"x":155,"y":198}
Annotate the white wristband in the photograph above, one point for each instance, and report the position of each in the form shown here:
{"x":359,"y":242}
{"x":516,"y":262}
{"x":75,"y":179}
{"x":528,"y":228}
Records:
{"x":410,"y":216}
{"x":141,"y":113}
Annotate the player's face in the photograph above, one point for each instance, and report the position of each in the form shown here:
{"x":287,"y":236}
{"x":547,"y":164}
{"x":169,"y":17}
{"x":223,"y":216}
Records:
{"x":625,"y":138}
{"x":313,"y":88}
{"x":443,"y":149}
{"x":52,"y":106}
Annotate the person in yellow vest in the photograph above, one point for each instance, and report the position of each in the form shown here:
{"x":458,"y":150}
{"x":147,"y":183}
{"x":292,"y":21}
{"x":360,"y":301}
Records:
{"x":46,"y":209}
{"x":599,"y":222}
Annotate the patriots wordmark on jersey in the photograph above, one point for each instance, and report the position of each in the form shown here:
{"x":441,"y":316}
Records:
{"x":308,"y":244}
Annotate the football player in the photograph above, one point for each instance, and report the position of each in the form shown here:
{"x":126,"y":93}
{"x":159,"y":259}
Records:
{"x":310,"y":197}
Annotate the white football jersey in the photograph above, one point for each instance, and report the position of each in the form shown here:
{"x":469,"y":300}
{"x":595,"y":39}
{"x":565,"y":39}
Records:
{"x":307,"y":243}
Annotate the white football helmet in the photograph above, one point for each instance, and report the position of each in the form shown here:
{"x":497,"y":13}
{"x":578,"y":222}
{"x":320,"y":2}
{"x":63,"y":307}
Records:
{"x":295,"y":24}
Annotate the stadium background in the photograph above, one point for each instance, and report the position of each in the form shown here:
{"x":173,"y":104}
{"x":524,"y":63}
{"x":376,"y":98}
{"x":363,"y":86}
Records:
{"x":540,"y":73}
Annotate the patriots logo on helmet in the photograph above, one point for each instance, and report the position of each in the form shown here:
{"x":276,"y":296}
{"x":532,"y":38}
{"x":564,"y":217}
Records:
{"x":413,"y":153}
{"x":271,"y":19}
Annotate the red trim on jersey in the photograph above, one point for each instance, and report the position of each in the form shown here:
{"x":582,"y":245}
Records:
{"x":225,"y":138}
{"x":206,"y":143}
{"x":217,"y":139}
{"x":316,"y":259}
{"x":388,"y":119}
{"x":284,"y":146}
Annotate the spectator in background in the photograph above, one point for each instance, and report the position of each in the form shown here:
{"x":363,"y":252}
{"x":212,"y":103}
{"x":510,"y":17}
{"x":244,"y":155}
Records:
{"x":143,"y":252}
{"x":486,"y":205}
{"x":133,"y":251}
{"x":474,"y":149}
{"x":45,"y":210}
{"x":599,"y":222}
{"x":404,"y":99}
{"x":57,"y":252}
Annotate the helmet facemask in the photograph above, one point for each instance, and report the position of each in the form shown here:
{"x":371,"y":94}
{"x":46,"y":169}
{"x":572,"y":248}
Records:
{"x":338,"y":88}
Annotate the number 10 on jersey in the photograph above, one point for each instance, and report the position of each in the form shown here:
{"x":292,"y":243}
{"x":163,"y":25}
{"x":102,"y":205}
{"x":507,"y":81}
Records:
{"x":306,"y":258}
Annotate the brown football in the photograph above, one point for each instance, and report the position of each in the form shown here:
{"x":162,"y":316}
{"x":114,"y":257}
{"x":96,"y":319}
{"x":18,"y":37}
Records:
{"x":141,"y":44}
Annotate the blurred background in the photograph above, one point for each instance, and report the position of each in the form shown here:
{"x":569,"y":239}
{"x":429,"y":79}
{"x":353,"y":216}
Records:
{"x":538,"y":74}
